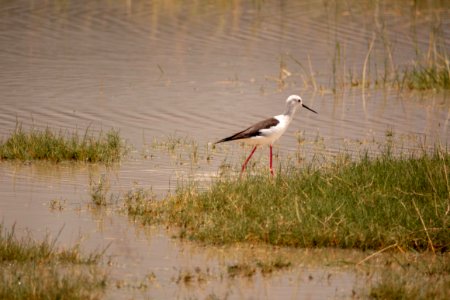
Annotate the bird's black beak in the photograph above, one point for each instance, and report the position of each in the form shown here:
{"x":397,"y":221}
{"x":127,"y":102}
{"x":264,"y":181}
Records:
{"x":309,"y":108}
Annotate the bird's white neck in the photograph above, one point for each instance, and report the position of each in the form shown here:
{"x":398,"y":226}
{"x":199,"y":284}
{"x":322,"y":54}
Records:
{"x":290,"y":111}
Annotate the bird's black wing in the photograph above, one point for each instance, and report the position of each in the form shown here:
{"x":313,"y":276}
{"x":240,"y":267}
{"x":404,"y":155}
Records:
{"x":252,"y":131}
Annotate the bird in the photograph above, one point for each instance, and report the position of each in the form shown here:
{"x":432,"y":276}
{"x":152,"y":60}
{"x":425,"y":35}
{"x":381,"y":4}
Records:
{"x":269,"y":130}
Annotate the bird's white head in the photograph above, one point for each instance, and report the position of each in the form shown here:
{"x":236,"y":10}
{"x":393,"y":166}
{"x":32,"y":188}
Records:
{"x":293,"y":102}
{"x":294,"y":98}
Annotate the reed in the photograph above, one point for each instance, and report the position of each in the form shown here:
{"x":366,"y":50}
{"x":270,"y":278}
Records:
{"x":57,"y":146}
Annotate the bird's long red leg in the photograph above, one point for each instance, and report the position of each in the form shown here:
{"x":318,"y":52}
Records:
{"x":271,"y":170}
{"x":248,"y":158}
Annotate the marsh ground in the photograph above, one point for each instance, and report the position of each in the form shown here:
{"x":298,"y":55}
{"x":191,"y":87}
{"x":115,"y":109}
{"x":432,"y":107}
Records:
{"x":173,"y":76}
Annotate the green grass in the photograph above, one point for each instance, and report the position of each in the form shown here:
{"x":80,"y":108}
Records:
{"x":427,"y":77}
{"x":371,"y":203}
{"x":37,"y":270}
{"x":56,"y":146}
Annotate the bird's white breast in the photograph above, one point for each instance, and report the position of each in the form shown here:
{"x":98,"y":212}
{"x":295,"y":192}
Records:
{"x":270,"y":135}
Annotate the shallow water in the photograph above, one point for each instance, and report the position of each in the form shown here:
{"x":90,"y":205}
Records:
{"x":191,"y":73}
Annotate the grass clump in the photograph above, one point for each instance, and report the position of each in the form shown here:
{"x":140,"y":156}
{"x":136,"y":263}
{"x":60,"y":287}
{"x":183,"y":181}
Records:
{"x":99,"y":191}
{"x":37,"y":270}
{"x":372,"y":203}
{"x":50,"y":145}
{"x":427,"y":77}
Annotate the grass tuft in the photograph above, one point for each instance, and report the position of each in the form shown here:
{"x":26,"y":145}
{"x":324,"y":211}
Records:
{"x":99,"y":191}
{"x":427,"y":77}
{"x":13,"y":249}
{"x":49,"y":145}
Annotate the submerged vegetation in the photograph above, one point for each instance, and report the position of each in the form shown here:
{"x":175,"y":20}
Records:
{"x":57,"y":146}
{"x":37,"y":270}
{"x":266,"y":267}
{"x":380,"y":66}
{"x":417,"y":278}
{"x":99,"y":191}
{"x":387,"y":201}
{"x":422,"y":74}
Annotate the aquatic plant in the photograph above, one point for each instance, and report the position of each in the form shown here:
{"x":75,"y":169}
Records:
{"x":99,"y":191}
{"x":38,"y":270}
{"x":139,"y":203}
{"x":423,"y":77}
{"x":416,"y":279}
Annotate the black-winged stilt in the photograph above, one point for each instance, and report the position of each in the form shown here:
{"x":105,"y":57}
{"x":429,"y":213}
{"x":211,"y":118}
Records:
{"x":269,"y":130}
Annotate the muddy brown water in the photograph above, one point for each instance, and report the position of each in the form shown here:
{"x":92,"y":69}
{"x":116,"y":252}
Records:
{"x":165,"y":71}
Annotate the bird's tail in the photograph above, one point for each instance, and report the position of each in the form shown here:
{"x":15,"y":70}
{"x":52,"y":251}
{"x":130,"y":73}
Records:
{"x":230,"y":138}
{"x":227,"y":139}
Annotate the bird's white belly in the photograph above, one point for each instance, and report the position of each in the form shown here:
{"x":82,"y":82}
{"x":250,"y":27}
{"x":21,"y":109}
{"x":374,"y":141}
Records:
{"x":270,"y":135}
